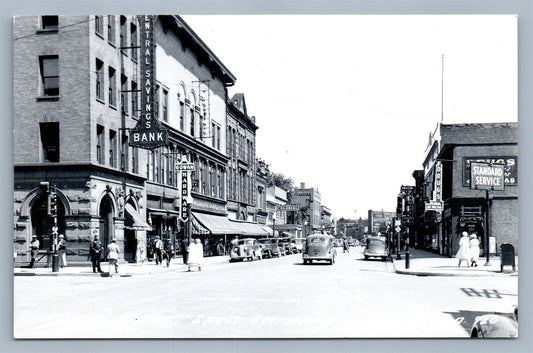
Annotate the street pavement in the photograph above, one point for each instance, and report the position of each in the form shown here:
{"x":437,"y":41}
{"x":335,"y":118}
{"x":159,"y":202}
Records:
{"x":421,"y":263}
{"x":272,"y":298}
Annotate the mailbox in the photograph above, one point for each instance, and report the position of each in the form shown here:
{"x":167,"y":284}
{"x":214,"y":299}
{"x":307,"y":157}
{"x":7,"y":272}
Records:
{"x":507,"y":256}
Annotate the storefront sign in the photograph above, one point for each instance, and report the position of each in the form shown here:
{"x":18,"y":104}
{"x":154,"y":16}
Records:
{"x":510,"y":164}
{"x":287,"y":207}
{"x":487,"y":176}
{"x":434,"y":206}
{"x":437,"y":192}
{"x":148,"y":133}
{"x":185,"y":195}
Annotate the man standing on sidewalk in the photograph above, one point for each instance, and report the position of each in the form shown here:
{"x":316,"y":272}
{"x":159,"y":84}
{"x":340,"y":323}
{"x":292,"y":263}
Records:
{"x":112,"y":255}
{"x":96,"y":249}
{"x":34,"y":248}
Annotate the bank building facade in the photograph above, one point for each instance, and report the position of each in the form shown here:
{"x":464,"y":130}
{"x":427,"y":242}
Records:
{"x":79,"y":92}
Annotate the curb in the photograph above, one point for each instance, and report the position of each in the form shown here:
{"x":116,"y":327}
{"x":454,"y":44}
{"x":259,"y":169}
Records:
{"x":424,"y":273}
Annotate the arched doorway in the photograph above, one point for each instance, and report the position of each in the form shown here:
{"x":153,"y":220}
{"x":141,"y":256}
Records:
{"x":42,"y":223}
{"x":107,"y":229}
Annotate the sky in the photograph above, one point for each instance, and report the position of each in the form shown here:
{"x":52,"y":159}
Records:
{"x":346,"y":103}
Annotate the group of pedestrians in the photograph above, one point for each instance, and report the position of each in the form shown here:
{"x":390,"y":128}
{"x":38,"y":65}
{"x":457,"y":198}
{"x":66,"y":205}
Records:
{"x":61,"y":249}
{"x":468,"y":250}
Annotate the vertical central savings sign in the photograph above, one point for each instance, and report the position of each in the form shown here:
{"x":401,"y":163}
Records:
{"x":148,"y":133}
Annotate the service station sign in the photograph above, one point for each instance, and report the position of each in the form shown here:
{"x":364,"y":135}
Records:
{"x":148,"y":133}
{"x":487,"y":176}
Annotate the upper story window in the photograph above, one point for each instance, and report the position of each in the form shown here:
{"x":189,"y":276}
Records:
{"x":192,"y":121}
{"x":134,"y":99}
{"x":99,"y":25}
{"x":123,"y":32}
{"x":133,"y":39}
{"x":218,"y":137}
{"x":100,"y":144}
{"x":99,"y":79}
{"x":49,"y":141}
{"x":50,"y":23}
{"x":113,"y":148}
{"x":111,"y":29}
{"x":164,"y":103}
{"x":124,"y":94}
{"x":49,"y":67}
{"x":112,"y":88}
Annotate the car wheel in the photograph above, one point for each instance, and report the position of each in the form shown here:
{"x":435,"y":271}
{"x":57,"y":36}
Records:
{"x":366,"y":257}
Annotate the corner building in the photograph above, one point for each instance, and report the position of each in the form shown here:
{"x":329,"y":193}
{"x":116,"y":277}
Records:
{"x":76,"y":97}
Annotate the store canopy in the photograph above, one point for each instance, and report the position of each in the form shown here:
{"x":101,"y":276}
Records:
{"x":162,"y":212}
{"x":216,"y":224}
{"x":251,"y":229}
{"x":134,"y":220}
{"x":269,"y":231}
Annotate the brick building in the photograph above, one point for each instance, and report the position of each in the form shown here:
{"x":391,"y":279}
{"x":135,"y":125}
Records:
{"x":451,"y":149}
{"x":76,"y":97}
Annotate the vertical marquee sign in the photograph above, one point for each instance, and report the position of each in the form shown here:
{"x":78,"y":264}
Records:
{"x":148,"y":133}
{"x":185,"y":168}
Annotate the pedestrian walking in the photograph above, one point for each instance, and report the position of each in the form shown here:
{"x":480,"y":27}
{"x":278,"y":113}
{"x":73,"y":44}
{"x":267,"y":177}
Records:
{"x":95,"y":252}
{"x":62,"y":249}
{"x":112,"y":255}
{"x":464,"y":250}
{"x":168,"y":251}
{"x":34,"y":250}
{"x":474,"y":249}
{"x":345,"y":245}
{"x":185,"y":249}
{"x":220,"y":248}
{"x":196,"y":255}
{"x":139,"y":254}
{"x":158,"y":249}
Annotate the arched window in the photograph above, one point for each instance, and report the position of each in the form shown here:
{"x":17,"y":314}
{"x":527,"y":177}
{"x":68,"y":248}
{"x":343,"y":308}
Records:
{"x":181,"y":105}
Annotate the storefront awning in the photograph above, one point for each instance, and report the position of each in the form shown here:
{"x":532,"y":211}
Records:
{"x":269,"y":231}
{"x":134,"y":220}
{"x":162,"y":212}
{"x":251,"y":229}
{"x":216,"y":224}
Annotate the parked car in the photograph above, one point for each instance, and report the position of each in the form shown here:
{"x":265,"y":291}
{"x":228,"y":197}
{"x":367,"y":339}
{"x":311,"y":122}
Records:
{"x":319,"y":247}
{"x":245,"y":249}
{"x":376,"y":247}
{"x":351,"y":241}
{"x":269,"y":247}
{"x":297,"y":245}
{"x":494,"y":325}
{"x":285,"y":245}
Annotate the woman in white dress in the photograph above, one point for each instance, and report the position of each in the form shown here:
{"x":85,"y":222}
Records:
{"x":474,"y":249}
{"x":464,"y":250}
{"x":196,"y":254}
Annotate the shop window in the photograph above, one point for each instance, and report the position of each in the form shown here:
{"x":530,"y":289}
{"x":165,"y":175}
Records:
{"x":49,"y":141}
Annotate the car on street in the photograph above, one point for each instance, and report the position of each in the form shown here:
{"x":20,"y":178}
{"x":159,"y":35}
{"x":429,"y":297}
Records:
{"x":269,"y":247}
{"x":243,"y":249}
{"x":351,"y":241}
{"x":319,"y":247}
{"x":494,"y":325}
{"x":285,"y":246}
{"x":297,"y":245}
{"x":376,"y":247}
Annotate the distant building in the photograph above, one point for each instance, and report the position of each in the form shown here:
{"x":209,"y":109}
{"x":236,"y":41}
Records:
{"x":325,"y":220}
{"x":378,"y":221}
{"x":261,"y":183}
{"x":309,"y":201}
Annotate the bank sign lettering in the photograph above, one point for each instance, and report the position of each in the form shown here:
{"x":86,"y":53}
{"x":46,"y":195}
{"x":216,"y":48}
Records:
{"x":487,"y":176}
{"x":148,"y":133}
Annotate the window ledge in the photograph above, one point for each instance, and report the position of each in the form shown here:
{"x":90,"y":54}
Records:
{"x":112,"y":107}
{"x":100,"y":100}
{"x":44,"y":31}
{"x":47,"y":98}
{"x":101,"y":35}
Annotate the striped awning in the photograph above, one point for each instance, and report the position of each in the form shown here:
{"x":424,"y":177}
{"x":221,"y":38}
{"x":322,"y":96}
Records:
{"x":134,"y":220}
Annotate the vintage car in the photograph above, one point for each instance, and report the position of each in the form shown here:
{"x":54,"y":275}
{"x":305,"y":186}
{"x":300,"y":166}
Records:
{"x":351,"y":241}
{"x":319,"y":247}
{"x":494,"y":325}
{"x":297,"y":245}
{"x":269,"y":247}
{"x":285,"y":245}
{"x":245,"y":249}
{"x":376,"y":247}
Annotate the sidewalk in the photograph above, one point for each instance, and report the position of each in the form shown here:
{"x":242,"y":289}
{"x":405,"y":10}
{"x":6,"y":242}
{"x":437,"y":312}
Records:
{"x":425,"y":263}
{"x":125,"y":269}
